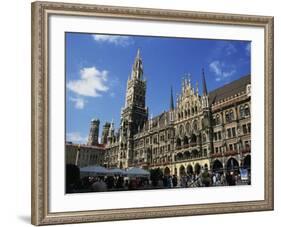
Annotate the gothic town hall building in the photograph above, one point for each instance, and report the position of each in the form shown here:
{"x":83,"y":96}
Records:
{"x":208,"y":130}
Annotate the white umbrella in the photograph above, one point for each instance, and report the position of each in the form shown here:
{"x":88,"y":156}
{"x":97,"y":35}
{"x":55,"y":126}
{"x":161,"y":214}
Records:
{"x":94,"y":170}
{"x":137,"y":172}
{"x":117,"y":171}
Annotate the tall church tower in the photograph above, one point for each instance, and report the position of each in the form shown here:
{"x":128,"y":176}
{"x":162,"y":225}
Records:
{"x":135,"y":112}
{"x":93,"y":138}
{"x":105,"y":132}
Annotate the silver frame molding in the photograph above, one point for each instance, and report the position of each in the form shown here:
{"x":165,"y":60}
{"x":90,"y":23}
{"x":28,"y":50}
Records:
{"x":40,"y":107}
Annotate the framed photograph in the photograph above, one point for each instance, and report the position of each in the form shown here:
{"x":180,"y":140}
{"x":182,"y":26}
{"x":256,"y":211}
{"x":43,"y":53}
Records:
{"x":149,"y":113}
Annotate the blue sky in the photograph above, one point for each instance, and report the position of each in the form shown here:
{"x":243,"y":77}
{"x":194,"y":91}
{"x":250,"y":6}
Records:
{"x":98,"y":66}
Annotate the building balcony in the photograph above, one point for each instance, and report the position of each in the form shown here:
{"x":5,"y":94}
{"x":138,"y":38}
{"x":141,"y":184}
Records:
{"x":193,"y":144}
{"x":179,"y":147}
{"x":246,"y":150}
{"x":160,"y":164}
{"x":231,"y":152}
{"x":216,"y":155}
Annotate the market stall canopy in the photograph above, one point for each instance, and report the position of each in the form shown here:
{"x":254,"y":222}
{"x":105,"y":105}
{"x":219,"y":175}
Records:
{"x":137,"y":172}
{"x":94,"y":171}
{"x":116,"y":171}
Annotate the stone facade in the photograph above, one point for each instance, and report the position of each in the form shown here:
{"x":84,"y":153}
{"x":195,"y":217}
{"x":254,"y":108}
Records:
{"x":84,"y":155}
{"x":208,"y":130}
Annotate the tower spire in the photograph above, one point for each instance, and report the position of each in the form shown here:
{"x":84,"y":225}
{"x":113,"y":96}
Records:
{"x":172,"y":100}
{"x":137,"y":70}
{"x":205,"y":92}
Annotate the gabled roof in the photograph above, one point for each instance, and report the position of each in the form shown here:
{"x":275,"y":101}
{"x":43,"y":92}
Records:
{"x":230,"y":89}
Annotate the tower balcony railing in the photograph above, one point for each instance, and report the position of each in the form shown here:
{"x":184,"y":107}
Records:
{"x":184,"y":146}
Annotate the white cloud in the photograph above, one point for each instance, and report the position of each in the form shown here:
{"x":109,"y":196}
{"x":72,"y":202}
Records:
{"x":79,"y":102}
{"x":215,"y":67}
{"x":229,"y":49}
{"x":223,"y":48}
{"x":76,"y":137}
{"x":221,"y":70}
{"x":114,"y":39}
{"x":92,"y":83}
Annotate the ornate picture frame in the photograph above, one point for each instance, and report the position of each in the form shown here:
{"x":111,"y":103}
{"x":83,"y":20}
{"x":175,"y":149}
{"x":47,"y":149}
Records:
{"x":41,"y":11}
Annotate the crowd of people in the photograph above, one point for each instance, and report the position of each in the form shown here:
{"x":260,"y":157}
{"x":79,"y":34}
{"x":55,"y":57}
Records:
{"x":111,"y":183}
{"x":205,"y":178}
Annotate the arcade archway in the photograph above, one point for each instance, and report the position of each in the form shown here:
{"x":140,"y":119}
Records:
{"x":167,"y":171}
{"x":232,"y":165}
{"x":217,"y":167}
{"x":197,"y":168}
{"x":247,"y":162}
{"x":182,"y":171}
{"x":189,"y":169}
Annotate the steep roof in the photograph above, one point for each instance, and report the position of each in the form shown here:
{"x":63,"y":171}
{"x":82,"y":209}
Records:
{"x":229,"y":89}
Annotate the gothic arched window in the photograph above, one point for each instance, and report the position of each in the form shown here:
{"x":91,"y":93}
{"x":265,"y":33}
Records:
{"x":231,"y":115}
{"x":247,"y":110}
{"x":181,"y":130}
{"x":187,"y":127}
{"x":193,"y":139}
{"x":204,"y":138}
{"x":178,"y":142}
{"x":195,"y":126}
{"x":185,"y":140}
{"x":218,"y":120}
{"x":227,"y":116}
{"x":242,"y":111}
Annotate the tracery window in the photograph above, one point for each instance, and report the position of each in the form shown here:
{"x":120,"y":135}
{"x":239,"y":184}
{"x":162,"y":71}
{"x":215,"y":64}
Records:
{"x":247,"y":110}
